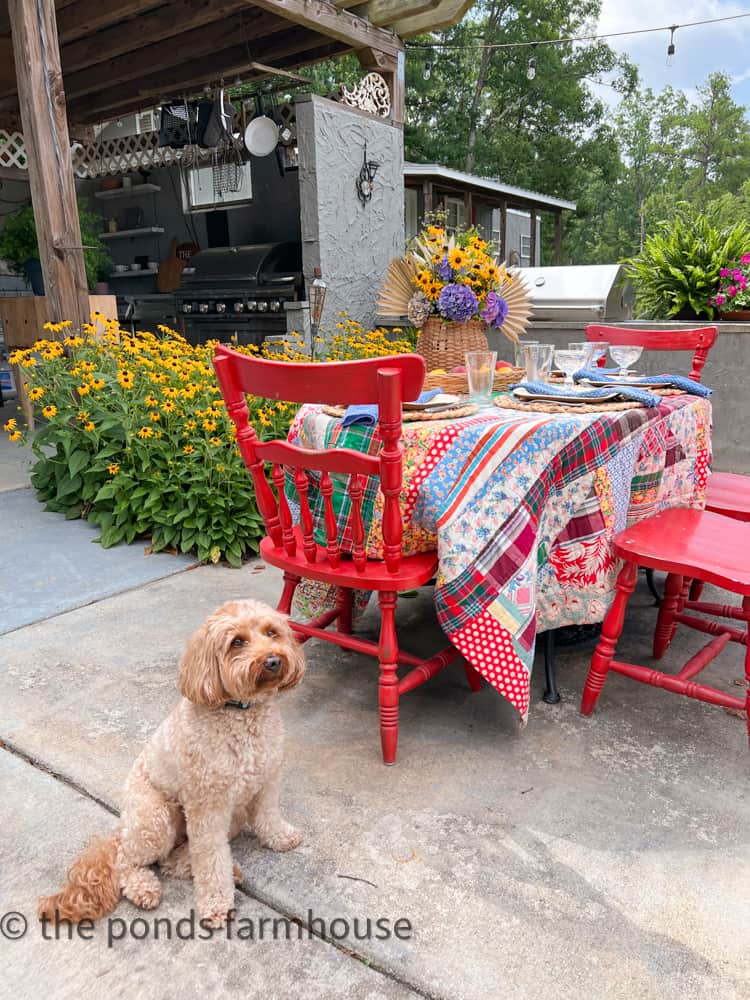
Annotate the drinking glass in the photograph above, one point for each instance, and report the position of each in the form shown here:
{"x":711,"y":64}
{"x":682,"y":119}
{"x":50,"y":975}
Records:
{"x":624,"y":355}
{"x":586,"y":348}
{"x":537,"y":360}
{"x":520,"y":344}
{"x":480,"y":372}
{"x":544,"y":361}
{"x":599,"y":352}
{"x":570,"y":362}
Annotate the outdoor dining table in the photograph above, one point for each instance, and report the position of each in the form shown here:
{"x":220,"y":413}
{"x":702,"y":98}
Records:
{"x":521,"y":507}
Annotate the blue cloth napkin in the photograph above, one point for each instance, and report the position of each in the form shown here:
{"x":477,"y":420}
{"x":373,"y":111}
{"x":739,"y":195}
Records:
{"x":680,"y":382}
{"x":642,"y":396}
{"x":367,"y":413}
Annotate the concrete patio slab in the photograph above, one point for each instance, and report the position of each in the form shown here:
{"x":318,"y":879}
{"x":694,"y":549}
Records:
{"x":45,"y":821}
{"x":56,"y":565}
{"x":604,"y":857}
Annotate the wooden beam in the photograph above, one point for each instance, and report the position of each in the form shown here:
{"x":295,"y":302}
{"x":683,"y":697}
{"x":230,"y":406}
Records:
{"x":45,"y":129}
{"x":323,"y":17}
{"x":446,"y":13}
{"x":87,"y":16}
{"x":190,"y":77}
{"x":382,"y":12}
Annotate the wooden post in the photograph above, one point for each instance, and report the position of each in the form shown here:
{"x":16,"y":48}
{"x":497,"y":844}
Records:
{"x":45,"y":130}
{"x":391,"y":67}
{"x":504,"y":230}
{"x":558,"y":238}
{"x":532,"y":243}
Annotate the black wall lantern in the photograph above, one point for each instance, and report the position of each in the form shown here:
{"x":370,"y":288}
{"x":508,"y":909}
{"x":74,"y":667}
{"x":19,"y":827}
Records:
{"x":366,"y":179}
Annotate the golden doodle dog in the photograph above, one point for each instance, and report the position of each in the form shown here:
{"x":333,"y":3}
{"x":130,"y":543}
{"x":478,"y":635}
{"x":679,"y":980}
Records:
{"x":212,"y":768}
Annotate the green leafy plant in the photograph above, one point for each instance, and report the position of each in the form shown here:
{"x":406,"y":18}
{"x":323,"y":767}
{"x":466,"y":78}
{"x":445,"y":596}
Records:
{"x":18,"y":242}
{"x":138,"y":441}
{"x":678,"y":271}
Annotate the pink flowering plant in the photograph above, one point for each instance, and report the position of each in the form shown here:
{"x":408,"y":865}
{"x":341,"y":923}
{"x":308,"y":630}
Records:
{"x":734,"y":290}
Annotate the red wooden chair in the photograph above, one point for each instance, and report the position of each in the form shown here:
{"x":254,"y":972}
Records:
{"x":387,"y":382}
{"x":699,"y":340}
{"x":687,"y":544}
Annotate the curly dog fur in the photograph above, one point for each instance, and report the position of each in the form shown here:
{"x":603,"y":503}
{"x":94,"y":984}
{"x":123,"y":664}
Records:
{"x":209,"y":770}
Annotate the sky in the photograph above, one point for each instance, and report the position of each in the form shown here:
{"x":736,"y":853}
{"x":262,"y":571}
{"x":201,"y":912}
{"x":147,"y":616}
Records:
{"x":698,"y":51}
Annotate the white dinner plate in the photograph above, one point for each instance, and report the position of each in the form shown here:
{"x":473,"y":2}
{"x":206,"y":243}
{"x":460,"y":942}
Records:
{"x":633,"y":383}
{"x":444,"y":399}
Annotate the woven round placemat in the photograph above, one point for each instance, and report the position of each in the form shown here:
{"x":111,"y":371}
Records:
{"x":509,"y":402}
{"x":416,"y":415}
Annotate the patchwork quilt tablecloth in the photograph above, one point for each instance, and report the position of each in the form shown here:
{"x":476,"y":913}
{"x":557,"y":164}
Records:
{"x":521,"y":508}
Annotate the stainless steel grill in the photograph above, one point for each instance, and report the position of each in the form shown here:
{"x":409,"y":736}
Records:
{"x":239,"y":292}
{"x":580,"y":293}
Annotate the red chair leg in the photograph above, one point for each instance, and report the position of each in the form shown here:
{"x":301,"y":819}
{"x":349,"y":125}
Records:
{"x":665,"y":623}
{"x":746,"y":610}
{"x":344,"y":605}
{"x":696,"y":589}
{"x":287,"y":594}
{"x":473,"y":677}
{"x":388,"y":684}
{"x":611,"y":630}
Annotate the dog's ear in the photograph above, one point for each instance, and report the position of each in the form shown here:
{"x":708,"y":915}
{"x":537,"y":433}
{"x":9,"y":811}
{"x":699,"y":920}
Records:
{"x":200,"y":678}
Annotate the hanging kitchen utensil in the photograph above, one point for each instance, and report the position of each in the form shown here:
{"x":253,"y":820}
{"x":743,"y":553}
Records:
{"x":218,"y":129}
{"x":178,"y":125}
{"x":262,"y":134}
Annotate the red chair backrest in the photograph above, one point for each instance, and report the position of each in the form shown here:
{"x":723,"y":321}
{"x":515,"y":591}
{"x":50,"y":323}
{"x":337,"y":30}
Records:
{"x":384,"y":381}
{"x":699,"y":340}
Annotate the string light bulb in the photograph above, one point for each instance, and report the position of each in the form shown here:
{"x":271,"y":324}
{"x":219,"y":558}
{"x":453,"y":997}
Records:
{"x":670,"y":47}
{"x":427,"y":70}
{"x":531,"y":65}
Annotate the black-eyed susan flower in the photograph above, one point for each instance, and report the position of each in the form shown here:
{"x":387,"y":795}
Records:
{"x":458,"y":258}
{"x":188,"y":449}
{"x":113,"y":469}
{"x":10,"y":425}
{"x":49,"y":411}
{"x":36,"y":393}
{"x":15,"y":436}
{"x":209,"y":425}
{"x":215,"y":441}
{"x":145,"y":432}
{"x":83,"y":390}
{"x":89,"y":426}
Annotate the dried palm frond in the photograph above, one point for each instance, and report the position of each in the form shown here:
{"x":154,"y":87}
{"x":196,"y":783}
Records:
{"x":517,"y":295}
{"x":398,"y":286}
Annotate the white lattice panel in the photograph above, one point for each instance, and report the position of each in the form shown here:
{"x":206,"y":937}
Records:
{"x":12,"y":150}
{"x":131,"y":152}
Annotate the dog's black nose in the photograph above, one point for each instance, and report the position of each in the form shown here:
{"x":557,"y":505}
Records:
{"x":272,"y":663}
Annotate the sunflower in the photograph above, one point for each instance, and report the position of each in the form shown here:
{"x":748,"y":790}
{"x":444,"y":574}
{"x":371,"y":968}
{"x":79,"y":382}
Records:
{"x":458,"y":258}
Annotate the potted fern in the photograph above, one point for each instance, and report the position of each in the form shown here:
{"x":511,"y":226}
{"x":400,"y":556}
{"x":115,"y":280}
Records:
{"x":19,"y":247}
{"x":679,"y":269}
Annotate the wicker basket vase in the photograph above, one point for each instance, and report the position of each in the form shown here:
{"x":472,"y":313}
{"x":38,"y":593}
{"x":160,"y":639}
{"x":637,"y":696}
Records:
{"x":443,"y":344}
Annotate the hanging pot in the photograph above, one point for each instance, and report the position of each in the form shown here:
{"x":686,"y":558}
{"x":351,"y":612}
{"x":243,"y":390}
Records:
{"x":262,"y":134}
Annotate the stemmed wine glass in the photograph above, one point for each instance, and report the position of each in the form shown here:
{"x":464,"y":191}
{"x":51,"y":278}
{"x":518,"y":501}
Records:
{"x":570,"y":362}
{"x":624,"y":355}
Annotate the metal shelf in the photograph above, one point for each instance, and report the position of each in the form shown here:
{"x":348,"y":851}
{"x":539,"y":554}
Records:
{"x":124,"y":233}
{"x":130,"y":192}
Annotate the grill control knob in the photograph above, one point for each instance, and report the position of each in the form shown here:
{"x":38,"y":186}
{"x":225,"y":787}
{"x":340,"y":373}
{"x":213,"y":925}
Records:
{"x":262,"y":306}
{"x":252,"y":306}
{"x":275,"y":306}
{"x":239,"y":307}
{"x":221,"y":307}
{"x":203,"y":307}
{"x":187,"y":307}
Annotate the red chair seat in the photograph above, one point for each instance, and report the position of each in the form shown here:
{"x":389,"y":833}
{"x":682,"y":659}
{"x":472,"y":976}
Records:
{"x":729,"y":494}
{"x":413,"y":571}
{"x":688,"y":545}
{"x":691,"y":543}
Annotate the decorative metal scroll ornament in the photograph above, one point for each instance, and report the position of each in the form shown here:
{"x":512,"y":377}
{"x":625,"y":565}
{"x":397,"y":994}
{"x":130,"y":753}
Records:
{"x":371,"y":94}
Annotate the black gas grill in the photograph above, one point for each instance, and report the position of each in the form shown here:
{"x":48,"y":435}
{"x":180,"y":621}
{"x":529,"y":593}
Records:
{"x":239,"y":291}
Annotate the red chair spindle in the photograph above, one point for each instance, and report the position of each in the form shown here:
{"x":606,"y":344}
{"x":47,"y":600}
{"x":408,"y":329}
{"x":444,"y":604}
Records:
{"x":356,"y":493}
{"x":309,"y":547}
{"x":391,"y":466}
{"x":285,"y":515}
{"x":332,"y":542}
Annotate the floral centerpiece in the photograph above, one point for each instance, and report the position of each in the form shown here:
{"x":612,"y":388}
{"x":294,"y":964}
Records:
{"x":451,"y":287}
{"x":733,"y":295}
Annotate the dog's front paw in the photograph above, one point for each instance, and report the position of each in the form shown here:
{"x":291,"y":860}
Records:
{"x":216,"y":917}
{"x":285,"y":838}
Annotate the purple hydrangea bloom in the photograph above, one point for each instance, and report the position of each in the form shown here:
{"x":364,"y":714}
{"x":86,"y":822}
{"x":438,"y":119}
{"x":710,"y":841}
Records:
{"x":495,"y":310}
{"x":457,"y":302}
{"x":444,"y":270}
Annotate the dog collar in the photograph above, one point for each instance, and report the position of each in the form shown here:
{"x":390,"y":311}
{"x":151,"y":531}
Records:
{"x":242,"y":705}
